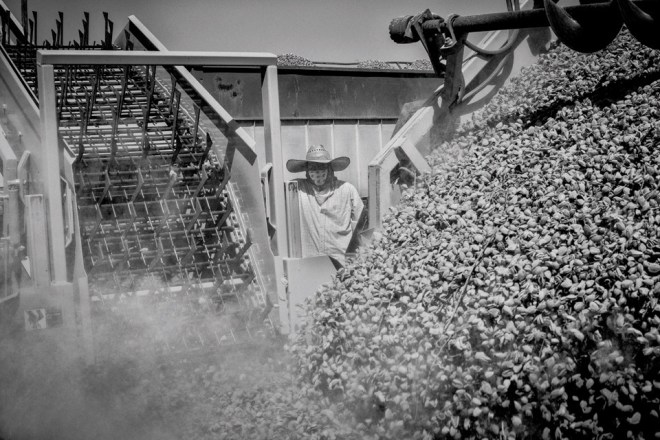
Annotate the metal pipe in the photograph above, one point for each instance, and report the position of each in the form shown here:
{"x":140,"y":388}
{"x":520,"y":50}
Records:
{"x":529,"y":18}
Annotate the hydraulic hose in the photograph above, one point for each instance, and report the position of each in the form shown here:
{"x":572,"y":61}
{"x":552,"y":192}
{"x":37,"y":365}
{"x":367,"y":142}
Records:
{"x":513,"y":35}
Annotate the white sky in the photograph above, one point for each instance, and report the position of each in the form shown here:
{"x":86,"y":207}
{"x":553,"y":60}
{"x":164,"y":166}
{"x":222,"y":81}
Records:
{"x":320,"y":30}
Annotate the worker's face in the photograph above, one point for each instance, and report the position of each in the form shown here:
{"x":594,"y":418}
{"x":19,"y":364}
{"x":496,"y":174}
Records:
{"x":318,"y":173}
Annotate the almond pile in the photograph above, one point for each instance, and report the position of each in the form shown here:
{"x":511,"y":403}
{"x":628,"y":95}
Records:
{"x":514,"y":291}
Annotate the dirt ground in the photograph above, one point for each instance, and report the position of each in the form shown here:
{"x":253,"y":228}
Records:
{"x":48,"y":393}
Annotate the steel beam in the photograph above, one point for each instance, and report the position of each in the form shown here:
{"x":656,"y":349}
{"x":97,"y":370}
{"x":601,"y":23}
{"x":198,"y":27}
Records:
{"x":50,"y":167}
{"x":273,"y":155}
{"x":155,"y":58}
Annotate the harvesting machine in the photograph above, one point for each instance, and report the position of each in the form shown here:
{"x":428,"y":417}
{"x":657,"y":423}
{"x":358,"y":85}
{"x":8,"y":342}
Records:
{"x":144,"y":191}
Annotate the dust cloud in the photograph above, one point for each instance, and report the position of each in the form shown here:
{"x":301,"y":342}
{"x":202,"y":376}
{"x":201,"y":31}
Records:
{"x":154,"y":365}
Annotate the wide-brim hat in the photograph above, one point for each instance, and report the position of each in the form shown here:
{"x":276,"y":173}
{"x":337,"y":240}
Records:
{"x":317,"y":154}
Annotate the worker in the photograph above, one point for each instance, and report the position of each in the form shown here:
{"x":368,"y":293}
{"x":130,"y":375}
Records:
{"x":329,"y":207}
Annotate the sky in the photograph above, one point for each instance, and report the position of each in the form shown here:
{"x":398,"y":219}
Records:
{"x":319,"y":30}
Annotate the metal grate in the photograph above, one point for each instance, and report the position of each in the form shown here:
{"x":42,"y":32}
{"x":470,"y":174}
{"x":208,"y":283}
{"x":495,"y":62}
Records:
{"x":155,"y":205}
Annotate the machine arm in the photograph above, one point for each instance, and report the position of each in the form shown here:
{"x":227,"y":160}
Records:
{"x":585,"y":27}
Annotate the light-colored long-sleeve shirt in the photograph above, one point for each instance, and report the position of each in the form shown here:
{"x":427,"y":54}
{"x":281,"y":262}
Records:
{"x":326,"y":227}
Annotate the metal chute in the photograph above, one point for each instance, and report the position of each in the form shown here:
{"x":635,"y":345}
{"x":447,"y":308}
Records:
{"x":643,"y":26}
{"x":585,"y":36}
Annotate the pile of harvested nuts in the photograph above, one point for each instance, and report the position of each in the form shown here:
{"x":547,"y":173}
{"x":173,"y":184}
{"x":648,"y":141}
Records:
{"x":514,"y":292}
{"x":289,"y":59}
{"x":374,"y":64}
{"x":563,"y":76}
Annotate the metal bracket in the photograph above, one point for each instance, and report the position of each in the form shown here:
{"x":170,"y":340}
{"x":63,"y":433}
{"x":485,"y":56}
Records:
{"x":446,"y":28}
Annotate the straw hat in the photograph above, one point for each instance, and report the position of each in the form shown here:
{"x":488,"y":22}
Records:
{"x":317,"y":154}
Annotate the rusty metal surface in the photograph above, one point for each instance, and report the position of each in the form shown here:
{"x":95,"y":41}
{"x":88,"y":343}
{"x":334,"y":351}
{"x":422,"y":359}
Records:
{"x":313,"y":93}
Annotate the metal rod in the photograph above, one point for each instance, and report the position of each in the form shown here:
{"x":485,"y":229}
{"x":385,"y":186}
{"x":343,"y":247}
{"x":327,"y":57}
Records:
{"x":204,"y":177}
{"x":108,"y":25}
{"x":60,"y":29}
{"x":96,"y":81}
{"x":174,"y":108}
{"x":85,"y":40}
{"x":90,"y":100}
{"x":530,"y":18}
{"x":209,"y":143}
{"x":167,"y":213}
{"x":189,"y":255}
{"x":24,"y":15}
{"x":126,"y":256}
{"x":133,"y":215}
{"x":138,"y":188}
{"x":149,"y":85}
{"x":34,"y":18}
{"x":117,"y":116}
{"x":173,"y":179}
{"x":243,"y":249}
{"x":221,"y":220}
{"x":197,"y":211}
{"x":97,"y":224}
{"x":159,"y":254}
{"x":226,"y":174}
{"x":65,"y":90}
{"x":177,"y":149}
{"x":106,"y":188}
{"x":115,"y":128}
{"x":196,"y":126}
{"x":173,"y":83}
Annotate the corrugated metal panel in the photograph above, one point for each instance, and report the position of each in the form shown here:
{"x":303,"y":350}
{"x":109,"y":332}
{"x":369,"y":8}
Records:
{"x":320,"y":133}
{"x":352,"y":112}
{"x":360,"y":140}
{"x":320,"y":93}
{"x":294,"y":141}
{"x":368,"y":133}
{"x":344,"y":144}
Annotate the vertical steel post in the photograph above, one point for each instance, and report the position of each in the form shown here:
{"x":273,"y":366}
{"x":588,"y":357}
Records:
{"x":380,"y":189}
{"x":50,"y":164}
{"x":273,"y":155}
{"x":273,"y":143}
